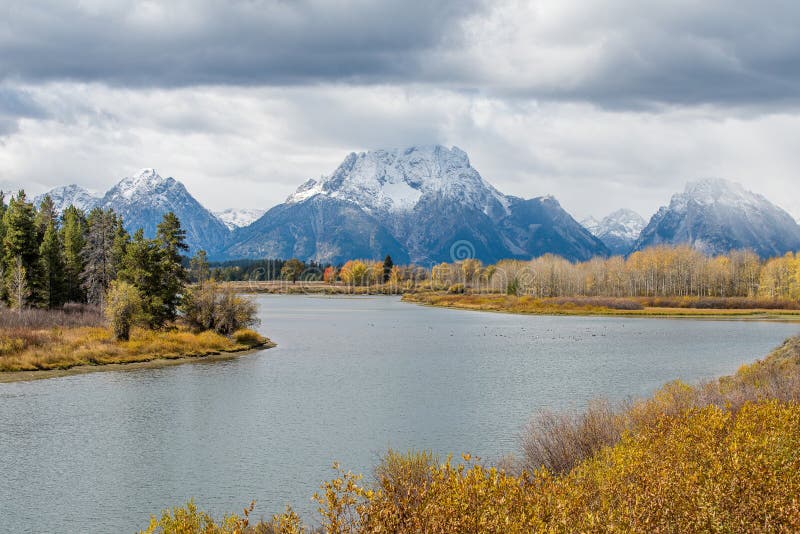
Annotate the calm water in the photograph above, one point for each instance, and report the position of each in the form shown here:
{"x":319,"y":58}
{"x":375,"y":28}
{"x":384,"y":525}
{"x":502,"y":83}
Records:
{"x":350,"y":377}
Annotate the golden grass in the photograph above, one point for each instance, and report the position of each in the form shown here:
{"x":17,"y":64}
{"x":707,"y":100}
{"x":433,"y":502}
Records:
{"x":548,"y":306}
{"x":62,"y":348}
{"x":719,"y":457}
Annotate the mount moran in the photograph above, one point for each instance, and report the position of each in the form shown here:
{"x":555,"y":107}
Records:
{"x":426,"y":204}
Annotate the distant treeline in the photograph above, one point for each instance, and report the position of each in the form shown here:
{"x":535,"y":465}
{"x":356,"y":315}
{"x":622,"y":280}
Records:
{"x":265,"y":270}
{"x":661,"y":271}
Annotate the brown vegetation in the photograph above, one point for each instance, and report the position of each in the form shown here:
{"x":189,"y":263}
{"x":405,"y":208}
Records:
{"x":723,"y":456}
{"x":35,"y":339}
{"x":631,"y":306}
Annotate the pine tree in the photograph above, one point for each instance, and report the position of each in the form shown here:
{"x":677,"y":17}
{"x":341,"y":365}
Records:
{"x":387,"y":268}
{"x":141,"y":267}
{"x":52,"y":260}
{"x":73,"y":238}
{"x":98,"y":254}
{"x":46,"y":214}
{"x":20,"y":244}
{"x":171,"y":240}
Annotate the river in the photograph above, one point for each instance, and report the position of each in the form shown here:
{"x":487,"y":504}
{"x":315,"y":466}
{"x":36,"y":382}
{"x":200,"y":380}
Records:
{"x":350,"y":377}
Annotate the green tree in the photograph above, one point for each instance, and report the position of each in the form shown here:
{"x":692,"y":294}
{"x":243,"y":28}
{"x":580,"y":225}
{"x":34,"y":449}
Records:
{"x":47,"y":213}
{"x":171,"y":240}
{"x":387,"y":268}
{"x":51,"y":257}
{"x":123,"y":303}
{"x":292,"y":270}
{"x":20,"y":244}
{"x":100,"y":262}
{"x":141,"y":267}
{"x":73,"y":238}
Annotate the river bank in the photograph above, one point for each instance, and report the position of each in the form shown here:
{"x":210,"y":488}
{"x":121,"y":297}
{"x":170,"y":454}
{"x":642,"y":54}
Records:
{"x":36,"y":354}
{"x":587,"y":307}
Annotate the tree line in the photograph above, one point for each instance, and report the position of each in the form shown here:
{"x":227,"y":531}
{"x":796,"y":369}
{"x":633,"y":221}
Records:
{"x":50,"y":259}
{"x":660,"y":271}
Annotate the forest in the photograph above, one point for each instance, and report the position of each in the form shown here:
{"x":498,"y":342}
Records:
{"x":66,"y":276}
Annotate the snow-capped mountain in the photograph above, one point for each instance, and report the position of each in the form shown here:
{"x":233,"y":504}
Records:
{"x":238,"y":217}
{"x":144,"y":198}
{"x":619,"y":230}
{"x":716,"y":216}
{"x":591,"y":224}
{"x":69,"y":195}
{"x":422,"y":204}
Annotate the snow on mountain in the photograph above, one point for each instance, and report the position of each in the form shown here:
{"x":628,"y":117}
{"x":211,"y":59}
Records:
{"x":143,"y":198}
{"x":716,"y":216}
{"x":396,"y":180}
{"x":69,"y":195}
{"x":238,"y":217}
{"x":591,"y":224}
{"x":421,"y":202}
{"x":619,"y":230}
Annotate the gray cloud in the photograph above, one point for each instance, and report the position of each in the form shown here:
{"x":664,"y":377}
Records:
{"x":246,"y":42}
{"x":615,"y":53}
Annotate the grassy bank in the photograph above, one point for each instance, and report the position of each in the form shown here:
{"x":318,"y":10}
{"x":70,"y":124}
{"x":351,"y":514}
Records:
{"x":642,"y":307}
{"x":63,"y":348}
{"x":722,"y":456}
{"x":43,"y":340}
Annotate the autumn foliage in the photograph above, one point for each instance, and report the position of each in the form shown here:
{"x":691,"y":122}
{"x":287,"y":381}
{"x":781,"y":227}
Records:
{"x":718,"y":457}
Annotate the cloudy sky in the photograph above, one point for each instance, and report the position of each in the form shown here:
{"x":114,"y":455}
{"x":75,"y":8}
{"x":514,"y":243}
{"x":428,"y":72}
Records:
{"x":604,"y":104}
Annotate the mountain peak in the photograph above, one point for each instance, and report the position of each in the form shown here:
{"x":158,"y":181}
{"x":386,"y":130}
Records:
{"x":618,"y":230}
{"x":142,"y":183}
{"x":717,"y":190}
{"x":396,"y":179}
{"x":716,"y":216}
{"x":66,"y":195}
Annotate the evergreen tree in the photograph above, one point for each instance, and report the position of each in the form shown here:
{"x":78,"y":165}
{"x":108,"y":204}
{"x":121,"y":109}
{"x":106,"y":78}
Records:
{"x":171,"y":241}
{"x":73,"y":239}
{"x":387,"y":268}
{"x":52,"y":260}
{"x":98,"y":254}
{"x":141,"y":267}
{"x":3,"y":209}
{"x":20,"y":244}
{"x":46,"y":214}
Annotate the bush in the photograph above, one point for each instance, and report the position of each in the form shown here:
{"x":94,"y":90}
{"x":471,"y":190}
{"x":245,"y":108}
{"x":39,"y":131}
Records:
{"x":123,"y":304}
{"x":210,"y":306}
{"x":248,"y":337}
{"x":456,"y":289}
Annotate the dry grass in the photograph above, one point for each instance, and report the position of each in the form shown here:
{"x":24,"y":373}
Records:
{"x":71,"y":315}
{"x":62,"y":348}
{"x":560,"y":441}
{"x":590,"y":306}
{"x":723,"y":456}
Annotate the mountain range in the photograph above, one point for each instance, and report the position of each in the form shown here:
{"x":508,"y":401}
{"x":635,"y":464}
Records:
{"x":426,"y":204}
{"x":618,"y":231}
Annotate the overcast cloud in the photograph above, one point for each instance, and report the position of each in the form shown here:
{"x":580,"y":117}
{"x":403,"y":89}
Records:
{"x":604,"y":104}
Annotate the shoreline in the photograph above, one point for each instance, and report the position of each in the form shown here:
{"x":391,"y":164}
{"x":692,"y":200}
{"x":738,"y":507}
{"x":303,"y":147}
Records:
{"x":7,"y":377}
{"x":733,"y":314}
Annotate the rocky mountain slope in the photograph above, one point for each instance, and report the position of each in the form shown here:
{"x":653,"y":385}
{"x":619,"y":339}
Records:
{"x":144,"y":198}
{"x":716,"y":216}
{"x":67,"y":195}
{"x":426,"y":203}
{"x":618,"y":231}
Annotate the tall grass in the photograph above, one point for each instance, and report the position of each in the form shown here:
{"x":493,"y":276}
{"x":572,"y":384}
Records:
{"x":63,"y":348}
{"x":723,"y":456}
{"x":70,"y":316}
